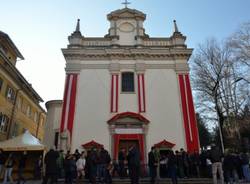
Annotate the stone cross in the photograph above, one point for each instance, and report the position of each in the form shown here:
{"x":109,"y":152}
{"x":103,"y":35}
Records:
{"x":126,"y":3}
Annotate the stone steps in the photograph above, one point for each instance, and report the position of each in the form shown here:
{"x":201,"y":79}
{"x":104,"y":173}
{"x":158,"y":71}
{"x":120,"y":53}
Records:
{"x":160,"y":181}
{"x":167,"y":181}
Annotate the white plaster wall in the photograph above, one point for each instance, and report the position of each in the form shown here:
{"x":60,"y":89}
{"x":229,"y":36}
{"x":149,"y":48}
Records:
{"x":163,"y":108}
{"x":126,"y":31}
{"x":52,"y":124}
{"x":92,"y":108}
{"x":128,"y":102}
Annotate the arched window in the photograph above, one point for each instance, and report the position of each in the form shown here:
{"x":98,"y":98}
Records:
{"x":128,"y":82}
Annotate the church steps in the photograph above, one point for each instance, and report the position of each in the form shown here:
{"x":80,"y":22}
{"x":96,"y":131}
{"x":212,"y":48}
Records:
{"x":160,"y":181}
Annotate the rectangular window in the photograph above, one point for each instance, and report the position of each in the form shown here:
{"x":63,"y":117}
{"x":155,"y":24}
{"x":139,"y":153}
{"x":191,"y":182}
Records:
{"x":29,"y":112}
{"x":1,"y":84}
{"x":15,"y":130}
{"x":19,"y":103}
{"x":35,"y":117}
{"x":128,"y":82}
{"x":41,"y":122}
{"x":10,"y":94}
{"x":56,"y":139}
{"x":24,"y":107}
{"x":4,"y":121}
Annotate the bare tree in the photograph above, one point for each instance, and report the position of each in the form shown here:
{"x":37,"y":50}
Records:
{"x":217,"y":84}
{"x":240,"y":43}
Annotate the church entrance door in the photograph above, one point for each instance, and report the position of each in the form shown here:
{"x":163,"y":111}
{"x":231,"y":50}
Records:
{"x":125,"y":141}
{"x":126,"y":144}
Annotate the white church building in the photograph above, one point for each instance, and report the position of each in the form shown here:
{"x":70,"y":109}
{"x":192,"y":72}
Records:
{"x":127,"y":88}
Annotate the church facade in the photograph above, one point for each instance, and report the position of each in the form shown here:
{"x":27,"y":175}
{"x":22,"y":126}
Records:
{"x":128,"y":88}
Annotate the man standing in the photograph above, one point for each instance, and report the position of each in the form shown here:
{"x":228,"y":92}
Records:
{"x":50,"y":161}
{"x":152,"y":164}
{"x":216,"y":159}
{"x":121,"y":162}
{"x":21,"y":167}
{"x":2,"y":159}
{"x":134,"y":164}
{"x":245,"y":166}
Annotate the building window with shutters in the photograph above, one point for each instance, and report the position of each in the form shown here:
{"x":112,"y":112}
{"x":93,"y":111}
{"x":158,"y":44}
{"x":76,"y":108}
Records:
{"x":128,"y":84}
{"x":29,"y":112}
{"x":36,"y":117}
{"x":4,"y":121}
{"x":19,"y":102}
{"x":1,"y":83}
{"x":15,"y":130}
{"x":10,"y":94}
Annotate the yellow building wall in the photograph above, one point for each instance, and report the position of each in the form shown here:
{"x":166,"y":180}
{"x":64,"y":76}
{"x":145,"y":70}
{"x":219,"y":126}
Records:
{"x":20,"y":115}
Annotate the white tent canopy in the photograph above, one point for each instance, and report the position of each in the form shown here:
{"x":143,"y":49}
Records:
{"x":23,"y":142}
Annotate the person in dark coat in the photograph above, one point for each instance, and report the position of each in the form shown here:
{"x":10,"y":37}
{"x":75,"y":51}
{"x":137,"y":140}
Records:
{"x":121,"y":163}
{"x":50,"y":161}
{"x":172,"y":167}
{"x":38,"y":168}
{"x":77,"y":154}
{"x":180,"y":164}
{"x":216,"y":156}
{"x":21,"y":166}
{"x":152,"y":164}
{"x":9,"y":164}
{"x":230,"y":170}
{"x":2,"y":160}
{"x":195,"y":164}
{"x":133,"y":158}
{"x":104,"y":160}
{"x":185,"y":160}
{"x":70,"y":168}
{"x":245,"y":166}
{"x":92,"y":165}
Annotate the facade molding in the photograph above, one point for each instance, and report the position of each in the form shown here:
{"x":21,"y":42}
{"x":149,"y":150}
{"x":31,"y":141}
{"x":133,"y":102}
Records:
{"x":126,"y":53}
{"x":117,"y":67}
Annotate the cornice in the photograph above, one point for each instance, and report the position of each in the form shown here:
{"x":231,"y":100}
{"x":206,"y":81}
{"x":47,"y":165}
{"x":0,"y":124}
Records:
{"x":19,"y":78}
{"x":139,"y":67}
{"x":126,"y":54}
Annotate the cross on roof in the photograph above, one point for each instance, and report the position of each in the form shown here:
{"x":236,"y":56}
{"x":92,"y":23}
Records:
{"x":126,"y":3}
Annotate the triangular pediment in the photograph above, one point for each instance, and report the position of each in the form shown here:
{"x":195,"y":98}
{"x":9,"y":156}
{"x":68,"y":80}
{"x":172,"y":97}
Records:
{"x":126,"y":13}
{"x":128,"y":117}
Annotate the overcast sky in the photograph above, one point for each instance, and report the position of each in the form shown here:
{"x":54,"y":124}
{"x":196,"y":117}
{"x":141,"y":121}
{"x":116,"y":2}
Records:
{"x":40,"y":29}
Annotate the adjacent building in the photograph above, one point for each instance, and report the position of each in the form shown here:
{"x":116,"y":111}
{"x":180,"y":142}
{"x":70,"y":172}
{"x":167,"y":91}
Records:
{"x":19,"y":102}
{"x":52,"y":125}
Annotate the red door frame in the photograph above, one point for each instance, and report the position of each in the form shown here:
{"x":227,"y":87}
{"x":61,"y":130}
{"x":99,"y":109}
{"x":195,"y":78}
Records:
{"x":139,"y":137}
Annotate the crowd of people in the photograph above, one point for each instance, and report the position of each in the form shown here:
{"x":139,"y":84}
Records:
{"x":7,"y":163}
{"x":229,"y":167}
{"x":96,"y":166}
{"x":92,"y":165}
